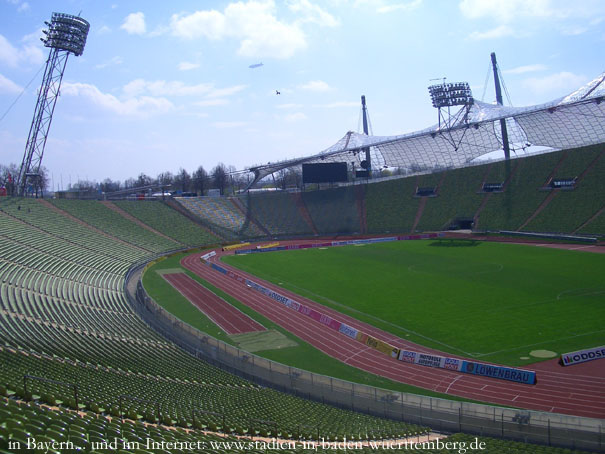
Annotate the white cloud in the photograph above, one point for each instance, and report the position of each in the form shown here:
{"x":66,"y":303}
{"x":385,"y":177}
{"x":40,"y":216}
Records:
{"x":8,"y":86}
{"x":212,"y":96}
{"x":112,"y":62}
{"x":574,"y":30}
{"x":506,"y":11}
{"x":254,"y":24}
{"x":315,"y":85}
{"x":288,"y":106}
{"x":30,"y":51}
{"x":312,"y":13}
{"x":296,"y":116}
{"x":8,"y":54}
{"x":501,"y":31}
{"x":556,"y":84}
{"x":134,"y":106}
{"x":212,"y":102}
{"x":163,"y":88}
{"x":406,"y":7}
{"x":104,"y":30}
{"x":134,"y":24}
{"x":525,"y":69}
{"x":21,"y":6}
{"x":229,"y":124}
{"x":228,"y":91}
{"x":511,"y":10}
{"x":338,"y":104}
{"x":187,"y":66}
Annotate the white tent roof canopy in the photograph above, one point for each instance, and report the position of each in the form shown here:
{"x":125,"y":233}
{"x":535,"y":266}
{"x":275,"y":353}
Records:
{"x":575,"y":120}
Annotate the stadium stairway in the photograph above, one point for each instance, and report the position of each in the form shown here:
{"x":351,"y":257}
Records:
{"x":91,"y":227}
{"x":188,"y":214}
{"x":543,"y":205}
{"x":131,"y":218}
{"x":594,"y":217}
{"x":304,"y":212}
{"x":487,"y":197}
{"x":237,"y":203}
{"x":360,"y":194}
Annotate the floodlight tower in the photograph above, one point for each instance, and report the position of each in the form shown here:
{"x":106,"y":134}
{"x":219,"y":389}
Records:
{"x":66,"y":34}
{"x":448,"y":95}
{"x":505,"y":143}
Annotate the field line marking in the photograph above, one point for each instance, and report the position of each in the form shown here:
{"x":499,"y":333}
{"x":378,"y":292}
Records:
{"x":365,"y":349}
{"x":452,"y":382}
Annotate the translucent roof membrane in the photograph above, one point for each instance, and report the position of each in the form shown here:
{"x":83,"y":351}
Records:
{"x":572,"y":121}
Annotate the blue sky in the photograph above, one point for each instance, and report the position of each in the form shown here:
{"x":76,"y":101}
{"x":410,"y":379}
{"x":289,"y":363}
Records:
{"x":165,"y":85}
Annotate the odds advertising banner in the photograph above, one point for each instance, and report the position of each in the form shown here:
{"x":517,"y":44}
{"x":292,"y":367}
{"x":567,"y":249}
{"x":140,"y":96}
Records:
{"x":348,"y":331}
{"x":501,"y":372}
{"x":210,"y":254}
{"x":407,"y":356}
{"x":581,"y":356}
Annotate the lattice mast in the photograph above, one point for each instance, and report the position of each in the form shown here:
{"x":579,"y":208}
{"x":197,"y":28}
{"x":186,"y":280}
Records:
{"x":505,"y":143}
{"x":368,"y":159}
{"x":66,"y":34}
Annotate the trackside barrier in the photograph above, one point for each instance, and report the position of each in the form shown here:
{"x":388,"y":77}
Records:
{"x":445,"y":415}
{"x":265,"y":246}
{"x":581,"y":356}
{"x":290,"y":247}
{"x":235,"y":246}
{"x":207,"y":256}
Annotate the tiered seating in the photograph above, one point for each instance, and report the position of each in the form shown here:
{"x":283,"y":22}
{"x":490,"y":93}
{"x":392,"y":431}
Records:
{"x":568,"y":210}
{"x":221,"y":216}
{"x":44,"y":219}
{"x":457,"y":198}
{"x":167,"y":221}
{"x":278,"y":213}
{"x":97,"y":214}
{"x":210,"y":390}
{"x":390,"y":206}
{"x":63,"y":317}
{"x":87,"y":431}
{"x":510,"y":209}
{"x":595,"y":227}
{"x":333,"y":210}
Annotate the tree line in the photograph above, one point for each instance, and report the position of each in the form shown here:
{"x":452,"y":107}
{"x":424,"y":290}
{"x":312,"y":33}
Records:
{"x":224,"y":178}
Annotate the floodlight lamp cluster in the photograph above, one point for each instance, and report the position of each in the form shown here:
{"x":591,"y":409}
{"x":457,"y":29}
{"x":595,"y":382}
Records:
{"x":66,"y":32}
{"x":451,"y":94}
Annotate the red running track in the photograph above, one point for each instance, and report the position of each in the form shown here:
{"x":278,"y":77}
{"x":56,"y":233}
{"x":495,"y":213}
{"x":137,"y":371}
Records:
{"x":230,"y":319}
{"x":575,"y":390}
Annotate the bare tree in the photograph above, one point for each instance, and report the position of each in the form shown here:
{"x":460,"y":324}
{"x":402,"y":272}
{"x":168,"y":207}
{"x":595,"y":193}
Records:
{"x":220,"y":177}
{"x":199,"y":180}
{"x":143,"y":180}
{"x":108,"y":185}
{"x":165,"y":178}
{"x":182,"y":180}
{"x":130,"y":183}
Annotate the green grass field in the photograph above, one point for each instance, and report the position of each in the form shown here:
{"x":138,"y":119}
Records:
{"x":491,"y":301}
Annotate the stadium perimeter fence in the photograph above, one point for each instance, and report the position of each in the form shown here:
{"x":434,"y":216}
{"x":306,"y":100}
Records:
{"x":552,"y":429}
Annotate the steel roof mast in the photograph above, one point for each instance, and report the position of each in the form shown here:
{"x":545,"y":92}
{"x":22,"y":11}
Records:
{"x":505,"y":143}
